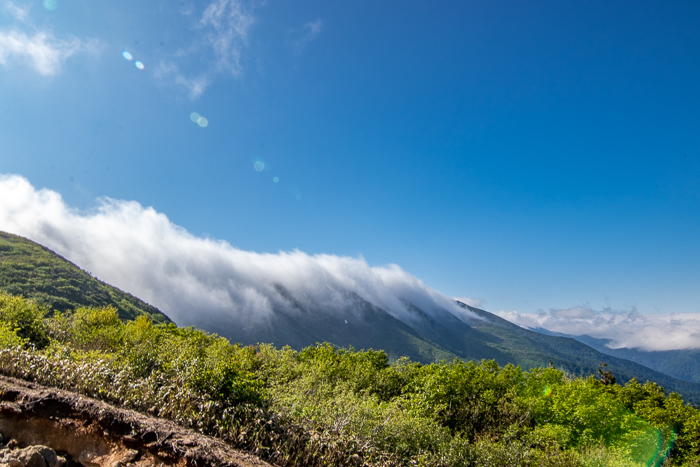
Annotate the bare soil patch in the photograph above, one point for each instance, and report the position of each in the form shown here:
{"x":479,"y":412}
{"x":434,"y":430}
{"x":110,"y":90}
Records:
{"x":89,"y":432}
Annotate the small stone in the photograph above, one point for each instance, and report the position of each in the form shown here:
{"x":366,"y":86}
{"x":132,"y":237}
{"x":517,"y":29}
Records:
{"x":49,"y":455}
{"x":86,"y":457}
{"x":15,"y":463}
{"x":61,"y":461}
{"x":32,"y":456}
{"x":12,"y":444}
{"x":116,"y":464}
{"x":129,"y":456}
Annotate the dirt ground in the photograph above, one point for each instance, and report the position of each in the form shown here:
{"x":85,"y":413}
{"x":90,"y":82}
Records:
{"x":92,"y":433}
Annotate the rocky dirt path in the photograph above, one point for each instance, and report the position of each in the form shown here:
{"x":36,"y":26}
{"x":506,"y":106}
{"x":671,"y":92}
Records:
{"x":85,"y":431}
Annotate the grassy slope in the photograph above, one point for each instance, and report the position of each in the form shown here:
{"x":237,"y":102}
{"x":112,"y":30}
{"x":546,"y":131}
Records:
{"x":33,"y":271}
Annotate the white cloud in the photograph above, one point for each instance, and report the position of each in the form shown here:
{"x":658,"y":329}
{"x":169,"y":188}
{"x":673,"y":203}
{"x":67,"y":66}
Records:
{"x":16,"y":11}
{"x":193,"y":279}
{"x":42,"y":50}
{"x":309,"y":33}
{"x":628,"y":329}
{"x":221,"y":35}
{"x":194,"y":87}
{"x":226,"y":24}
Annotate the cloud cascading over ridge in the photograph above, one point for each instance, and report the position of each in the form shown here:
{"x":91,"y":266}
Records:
{"x":193,"y":279}
{"x":629,"y":329}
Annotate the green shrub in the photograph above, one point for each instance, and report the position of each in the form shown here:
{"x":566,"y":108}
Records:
{"x":26,"y":318}
{"x":328,"y":406}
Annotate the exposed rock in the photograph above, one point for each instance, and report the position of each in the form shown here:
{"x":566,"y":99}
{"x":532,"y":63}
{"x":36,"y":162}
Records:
{"x":82,"y":431}
{"x":31,"y":456}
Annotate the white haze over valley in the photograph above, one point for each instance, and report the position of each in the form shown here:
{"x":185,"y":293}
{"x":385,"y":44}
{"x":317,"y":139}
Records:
{"x":630,"y":329}
{"x":195,"y":280}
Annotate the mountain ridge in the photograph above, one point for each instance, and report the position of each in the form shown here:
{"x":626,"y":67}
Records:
{"x":36,"y":272}
{"x":424,"y":335}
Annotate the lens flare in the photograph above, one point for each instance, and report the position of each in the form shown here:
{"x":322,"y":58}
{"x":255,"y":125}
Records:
{"x":194,"y":116}
{"x":201,"y":121}
{"x":275,"y":179}
{"x":139,"y":65}
{"x":127,"y":55}
{"x":50,"y":5}
{"x":259,"y":164}
{"x":652,"y":446}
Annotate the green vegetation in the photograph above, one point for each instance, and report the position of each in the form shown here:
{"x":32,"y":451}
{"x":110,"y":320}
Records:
{"x":30,"y":270}
{"x":327,"y":406}
{"x":35,"y":272}
{"x":532,"y":349}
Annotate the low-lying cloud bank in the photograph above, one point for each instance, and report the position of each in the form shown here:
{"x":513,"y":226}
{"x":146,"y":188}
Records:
{"x":628,"y":329}
{"x":192,"y":279}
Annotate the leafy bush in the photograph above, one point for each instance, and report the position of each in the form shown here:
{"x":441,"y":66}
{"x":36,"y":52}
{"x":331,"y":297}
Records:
{"x":328,"y":406}
{"x":25,"y":318}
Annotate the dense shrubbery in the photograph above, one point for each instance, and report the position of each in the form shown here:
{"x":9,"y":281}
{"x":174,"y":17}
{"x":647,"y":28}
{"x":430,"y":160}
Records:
{"x":328,"y":406}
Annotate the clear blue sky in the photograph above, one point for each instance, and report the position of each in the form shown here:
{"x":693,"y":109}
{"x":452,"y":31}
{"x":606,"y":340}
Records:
{"x":532,"y":154}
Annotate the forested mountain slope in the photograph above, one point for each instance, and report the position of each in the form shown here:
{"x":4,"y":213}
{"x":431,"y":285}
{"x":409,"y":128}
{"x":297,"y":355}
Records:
{"x":33,"y":271}
{"x":682,"y":363}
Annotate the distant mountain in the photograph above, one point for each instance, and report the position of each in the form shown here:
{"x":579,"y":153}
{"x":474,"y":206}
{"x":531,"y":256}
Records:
{"x":33,"y":271}
{"x":573,"y":356}
{"x":681,"y":364}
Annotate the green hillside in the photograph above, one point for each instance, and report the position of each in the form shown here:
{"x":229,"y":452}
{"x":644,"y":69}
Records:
{"x":326,"y":406}
{"x":33,"y":271}
{"x":36,"y":272}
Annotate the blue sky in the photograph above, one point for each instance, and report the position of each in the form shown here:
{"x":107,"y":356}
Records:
{"x":533,"y":155}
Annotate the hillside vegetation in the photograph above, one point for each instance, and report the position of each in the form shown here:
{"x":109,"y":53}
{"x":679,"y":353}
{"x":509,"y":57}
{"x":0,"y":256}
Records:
{"x":33,"y":271}
{"x":327,"y":406}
